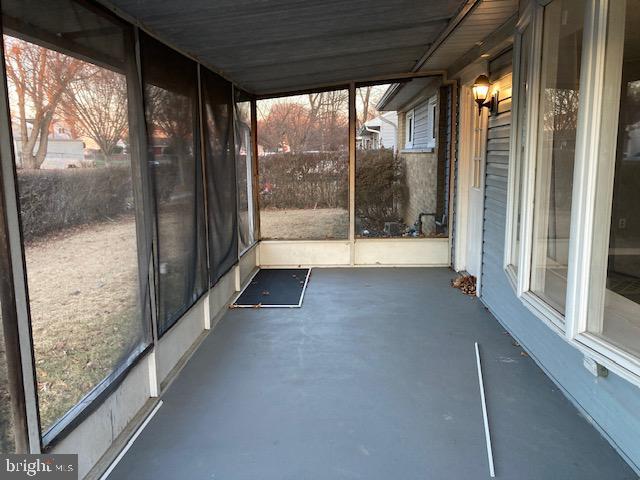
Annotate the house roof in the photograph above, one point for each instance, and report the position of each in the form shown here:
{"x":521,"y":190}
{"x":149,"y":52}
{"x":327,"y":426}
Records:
{"x":377,"y":121}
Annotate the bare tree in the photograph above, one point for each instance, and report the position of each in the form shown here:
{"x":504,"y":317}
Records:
{"x":318,"y":121}
{"x":39,"y":78}
{"x":97,"y":107}
{"x":365,"y":94}
{"x":368,"y":99}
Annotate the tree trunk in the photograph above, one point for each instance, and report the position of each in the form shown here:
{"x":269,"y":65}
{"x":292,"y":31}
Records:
{"x":43,"y":143}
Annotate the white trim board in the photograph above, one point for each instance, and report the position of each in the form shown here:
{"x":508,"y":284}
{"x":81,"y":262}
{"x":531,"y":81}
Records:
{"x":298,"y":305}
{"x":380,"y":252}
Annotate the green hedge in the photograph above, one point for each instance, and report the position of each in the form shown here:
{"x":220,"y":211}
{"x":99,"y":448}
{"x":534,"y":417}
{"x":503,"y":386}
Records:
{"x":52,"y":200}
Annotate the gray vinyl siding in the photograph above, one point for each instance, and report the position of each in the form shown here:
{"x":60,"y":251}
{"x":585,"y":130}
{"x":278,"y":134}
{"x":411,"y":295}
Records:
{"x":423,"y":127}
{"x":611,"y":403}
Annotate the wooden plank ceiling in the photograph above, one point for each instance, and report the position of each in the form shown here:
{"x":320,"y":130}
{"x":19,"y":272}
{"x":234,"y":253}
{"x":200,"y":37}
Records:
{"x":270,"y":46}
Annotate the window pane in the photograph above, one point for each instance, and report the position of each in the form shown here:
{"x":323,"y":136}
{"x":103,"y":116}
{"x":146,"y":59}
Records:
{"x":171,"y":104}
{"x":559,"y":100}
{"x":303,"y":148}
{"x":617,"y":249}
{"x":521,"y":141}
{"x":217,"y":107}
{"x":70,"y":132}
{"x":401,"y":177}
{"x":244,"y":172}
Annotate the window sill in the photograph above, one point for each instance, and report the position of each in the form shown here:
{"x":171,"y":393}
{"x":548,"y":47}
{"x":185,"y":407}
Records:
{"x":544,"y":312}
{"x":417,"y":150}
{"x":617,"y":360}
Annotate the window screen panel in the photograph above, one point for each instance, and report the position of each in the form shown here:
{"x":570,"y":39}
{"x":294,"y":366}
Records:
{"x":244,"y":171}
{"x":171,"y":111}
{"x":401,"y":177}
{"x":68,"y":79}
{"x":303,"y":164}
{"x":217,"y":98}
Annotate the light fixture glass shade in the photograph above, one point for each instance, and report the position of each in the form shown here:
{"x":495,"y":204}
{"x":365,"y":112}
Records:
{"x":480,"y":89}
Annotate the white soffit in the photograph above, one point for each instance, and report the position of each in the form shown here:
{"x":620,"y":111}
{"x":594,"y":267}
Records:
{"x":480,"y":21}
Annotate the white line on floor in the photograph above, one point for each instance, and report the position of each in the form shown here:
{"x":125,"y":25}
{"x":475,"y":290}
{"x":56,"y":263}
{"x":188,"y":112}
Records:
{"x":487,"y":434}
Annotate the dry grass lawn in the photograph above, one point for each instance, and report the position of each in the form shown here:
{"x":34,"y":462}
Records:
{"x":83,"y":291}
{"x":304,"y":224}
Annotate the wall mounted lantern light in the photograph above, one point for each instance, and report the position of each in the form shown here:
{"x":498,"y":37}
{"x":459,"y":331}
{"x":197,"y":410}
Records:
{"x":480,"y":90}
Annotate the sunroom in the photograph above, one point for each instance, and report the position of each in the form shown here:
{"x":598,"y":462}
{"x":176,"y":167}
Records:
{"x":229,"y":234}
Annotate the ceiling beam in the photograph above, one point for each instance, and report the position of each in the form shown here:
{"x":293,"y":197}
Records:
{"x":364,"y":80}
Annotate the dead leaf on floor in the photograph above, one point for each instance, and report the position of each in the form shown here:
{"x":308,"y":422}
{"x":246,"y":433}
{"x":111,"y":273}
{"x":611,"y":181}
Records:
{"x":524,"y":354}
{"x":259,"y":305}
{"x":266,"y":292}
{"x":465,"y":283}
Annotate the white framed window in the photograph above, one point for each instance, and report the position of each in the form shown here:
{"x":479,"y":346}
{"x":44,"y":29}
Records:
{"x":409,"y":129}
{"x":572,"y":246}
{"x":520,"y":112}
{"x":606,"y":299}
{"x":433,"y":120}
{"x":559,"y":103}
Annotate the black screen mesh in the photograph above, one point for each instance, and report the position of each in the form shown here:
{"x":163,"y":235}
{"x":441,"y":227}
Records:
{"x":171,"y":110}
{"x":244,"y":170}
{"x":71,"y":73}
{"x":217,"y":98}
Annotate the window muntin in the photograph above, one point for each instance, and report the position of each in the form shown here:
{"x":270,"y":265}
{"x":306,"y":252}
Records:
{"x":558,"y":106}
{"x":522,"y":91}
{"x":171,"y":109}
{"x":303,"y":165}
{"x":69,"y":115}
{"x":614,"y":312}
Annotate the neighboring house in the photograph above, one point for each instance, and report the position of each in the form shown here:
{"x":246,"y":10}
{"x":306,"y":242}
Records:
{"x":415,"y":105}
{"x":379,"y":132}
{"x":63,"y":150}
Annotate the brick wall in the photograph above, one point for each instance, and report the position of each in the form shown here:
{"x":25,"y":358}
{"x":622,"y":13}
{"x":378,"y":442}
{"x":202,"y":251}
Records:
{"x":421,"y":174}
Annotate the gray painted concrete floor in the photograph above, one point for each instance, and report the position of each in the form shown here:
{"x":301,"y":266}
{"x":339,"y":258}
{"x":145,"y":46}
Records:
{"x":373,"y":378}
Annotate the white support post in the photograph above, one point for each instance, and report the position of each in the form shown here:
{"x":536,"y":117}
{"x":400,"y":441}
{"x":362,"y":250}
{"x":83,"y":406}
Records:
{"x":154,"y":384}
{"x":237,"y":278}
{"x":207,"y":311}
{"x":352,"y":171}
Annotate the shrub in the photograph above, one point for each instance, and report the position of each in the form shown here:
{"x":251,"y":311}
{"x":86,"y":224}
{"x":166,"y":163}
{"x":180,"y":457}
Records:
{"x":304,"y":180}
{"x":52,"y":200}
{"x":380,"y":187}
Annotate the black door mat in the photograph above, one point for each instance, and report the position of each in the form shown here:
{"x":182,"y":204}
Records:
{"x":274,"y":288}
